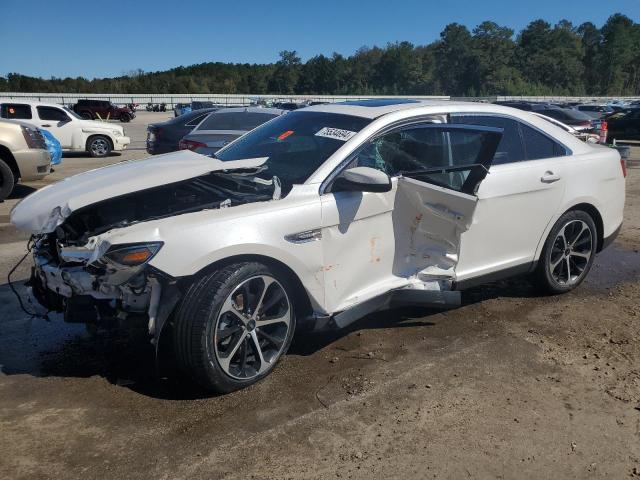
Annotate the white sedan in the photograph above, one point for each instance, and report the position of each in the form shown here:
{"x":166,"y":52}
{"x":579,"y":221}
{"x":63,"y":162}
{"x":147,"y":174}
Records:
{"x":74,"y":133}
{"x":317,"y":218}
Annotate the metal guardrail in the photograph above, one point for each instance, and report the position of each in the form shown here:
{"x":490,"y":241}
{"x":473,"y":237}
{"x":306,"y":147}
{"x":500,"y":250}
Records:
{"x":172,"y":99}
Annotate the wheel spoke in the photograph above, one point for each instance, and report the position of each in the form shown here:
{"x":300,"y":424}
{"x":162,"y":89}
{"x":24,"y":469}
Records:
{"x":258,"y":351}
{"x":270,"y":321}
{"x":585,"y":255}
{"x":227,"y":332}
{"x":267,"y":281}
{"x":556,"y":263}
{"x":226,"y":360}
{"x":230,"y":306}
{"x":276,"y":296}
{"x":276,"y":342}
{"x":568,"y":263}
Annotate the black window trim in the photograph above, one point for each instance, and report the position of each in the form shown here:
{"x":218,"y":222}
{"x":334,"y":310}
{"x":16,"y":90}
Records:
{"x":568,"y":151}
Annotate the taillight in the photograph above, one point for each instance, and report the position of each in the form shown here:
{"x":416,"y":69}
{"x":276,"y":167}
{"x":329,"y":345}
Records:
{"x":604,"y":125}
{"x":623,"y":165}
{"x":190,"y":145}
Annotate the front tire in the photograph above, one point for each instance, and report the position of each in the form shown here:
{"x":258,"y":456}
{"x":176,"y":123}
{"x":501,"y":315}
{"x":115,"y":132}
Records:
{"x":233,"y":326}
{"x":568,"y":252}
{"x":7,"y":180}
{"x":99,"y":146}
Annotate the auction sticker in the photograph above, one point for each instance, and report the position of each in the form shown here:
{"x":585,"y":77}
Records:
{"x":335,"y":133}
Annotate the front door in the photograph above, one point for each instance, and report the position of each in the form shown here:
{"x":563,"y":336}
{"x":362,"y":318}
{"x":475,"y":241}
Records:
{"x":376,"y":242}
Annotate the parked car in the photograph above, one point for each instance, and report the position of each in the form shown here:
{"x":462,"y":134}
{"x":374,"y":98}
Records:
{"x":164,"y":137}
{"x":595,"y":111}
{"x":23,"y":155}
{"x":74,"y":133}
{"x":317,"y":218}
{"x":625,"y":127}
{"x":574,"y":118}
{"x":582,"y":135}
{"x":102,"y":109}
{"x":182,"y":108}
{"x":224,"y":126}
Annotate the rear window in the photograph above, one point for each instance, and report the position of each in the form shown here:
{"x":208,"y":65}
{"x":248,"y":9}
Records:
{"x":16,"y":111}
{"x":235,"y":121}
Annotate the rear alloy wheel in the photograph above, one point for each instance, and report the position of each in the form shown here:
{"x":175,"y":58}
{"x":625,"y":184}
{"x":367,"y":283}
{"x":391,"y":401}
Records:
{"x":234,"y":325}
{"x":568,"y":252}
{"x":99,"y":146}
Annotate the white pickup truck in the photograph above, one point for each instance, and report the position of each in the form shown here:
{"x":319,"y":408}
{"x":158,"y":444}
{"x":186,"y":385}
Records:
{"x":74,"y":133}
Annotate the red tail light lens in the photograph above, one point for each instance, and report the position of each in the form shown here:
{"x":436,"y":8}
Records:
{"x":190,"y":145}
{"x":604,"y":125}
{"x":623,"y":165}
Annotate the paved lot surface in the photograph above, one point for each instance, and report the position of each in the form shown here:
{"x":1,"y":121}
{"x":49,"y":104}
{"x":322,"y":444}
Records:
{"x":511,"y":385}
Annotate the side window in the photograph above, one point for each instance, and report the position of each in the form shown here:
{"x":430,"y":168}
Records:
{"x":511,"y":148}
{"x":53,"y":114}
{"x":537,"y":145}
{"x":16,"y":111}
{"x":433,"y":153}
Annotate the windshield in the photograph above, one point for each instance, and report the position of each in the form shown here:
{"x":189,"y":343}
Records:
{"x":72,"y":113}
{"x":296,"y":144}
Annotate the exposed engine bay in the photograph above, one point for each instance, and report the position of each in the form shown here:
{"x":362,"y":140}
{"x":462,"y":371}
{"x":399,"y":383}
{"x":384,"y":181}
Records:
{"x":91,"y":280}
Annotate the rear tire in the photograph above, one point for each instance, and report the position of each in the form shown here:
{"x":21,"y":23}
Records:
{"x":86,"y":115}
{"x":99,"y":146}
{"x":568,"y":253}
{"x":233,"y":326}
{"x":7,"y":180}
{"x":125,"y":118}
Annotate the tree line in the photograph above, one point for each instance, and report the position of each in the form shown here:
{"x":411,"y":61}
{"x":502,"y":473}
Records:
{"x":542,"y":59}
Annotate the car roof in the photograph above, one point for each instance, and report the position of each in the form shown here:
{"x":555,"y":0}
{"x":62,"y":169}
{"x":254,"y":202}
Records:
{"x":272,"y":111}
{"x":378,"y":107}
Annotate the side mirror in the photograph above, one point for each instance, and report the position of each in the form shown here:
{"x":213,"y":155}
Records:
{"x":362,"y":179}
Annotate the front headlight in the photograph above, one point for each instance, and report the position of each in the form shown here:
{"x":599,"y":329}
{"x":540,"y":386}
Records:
{"x":131,"y":254}
{"x":117,"y":133}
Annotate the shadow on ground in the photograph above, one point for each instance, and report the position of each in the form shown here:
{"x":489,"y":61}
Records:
{"x":39,"y":348}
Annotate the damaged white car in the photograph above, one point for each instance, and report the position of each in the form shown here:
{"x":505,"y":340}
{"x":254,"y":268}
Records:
{"x":317,"y":218}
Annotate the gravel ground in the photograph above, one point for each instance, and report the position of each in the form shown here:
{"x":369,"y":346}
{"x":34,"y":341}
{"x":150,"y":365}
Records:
{"x":510,"y":385}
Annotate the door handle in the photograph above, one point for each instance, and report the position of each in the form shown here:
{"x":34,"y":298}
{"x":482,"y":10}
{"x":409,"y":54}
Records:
{"x":46,"y":125}
{"x":549,"y":177}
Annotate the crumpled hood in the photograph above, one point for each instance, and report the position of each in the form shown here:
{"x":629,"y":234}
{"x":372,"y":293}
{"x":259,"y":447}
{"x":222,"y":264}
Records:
{"x":45,"y":209}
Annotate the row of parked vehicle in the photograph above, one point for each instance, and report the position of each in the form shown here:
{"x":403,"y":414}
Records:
{"x":34,"y":134}
{"x":620,"y":120}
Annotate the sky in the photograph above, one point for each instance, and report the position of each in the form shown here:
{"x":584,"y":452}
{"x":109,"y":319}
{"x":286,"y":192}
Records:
{"x":98,"y":38}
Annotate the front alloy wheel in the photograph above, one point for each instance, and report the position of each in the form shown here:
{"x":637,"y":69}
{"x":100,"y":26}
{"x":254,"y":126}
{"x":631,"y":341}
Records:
{"x":252,"y":327}
{"x":233,"y":325}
